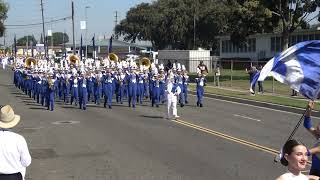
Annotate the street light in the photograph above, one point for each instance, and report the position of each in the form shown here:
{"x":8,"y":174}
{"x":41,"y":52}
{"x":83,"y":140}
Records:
{"x":86,"y":18}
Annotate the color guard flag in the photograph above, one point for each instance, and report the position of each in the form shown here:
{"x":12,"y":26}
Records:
{"x":15,"y":45}
{"x":298,"y":66}
{"x":94,"y":46}
{"x":80,"y":48}
{"x":110,"y":44}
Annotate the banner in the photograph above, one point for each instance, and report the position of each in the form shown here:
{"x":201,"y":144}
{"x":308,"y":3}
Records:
{"x":83,"y":25}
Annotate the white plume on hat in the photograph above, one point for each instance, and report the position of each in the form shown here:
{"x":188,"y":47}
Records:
{"x":178,"y":67}
{"x":7,"y":117}
{"x":161,"y":67}
{"x":183,"y":67}
{"x":174,"y":66}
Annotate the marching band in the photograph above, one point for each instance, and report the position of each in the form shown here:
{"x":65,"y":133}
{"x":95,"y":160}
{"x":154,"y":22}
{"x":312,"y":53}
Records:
{"x":80,"y":82}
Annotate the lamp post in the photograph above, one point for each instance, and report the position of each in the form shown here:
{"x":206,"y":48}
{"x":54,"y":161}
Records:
{"x":86,"y":34}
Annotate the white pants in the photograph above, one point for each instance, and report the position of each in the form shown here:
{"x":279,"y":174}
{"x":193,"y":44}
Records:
{"x":171,"y":105}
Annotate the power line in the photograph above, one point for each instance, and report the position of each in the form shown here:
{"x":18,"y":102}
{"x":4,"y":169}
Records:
{"x":35,"y":24}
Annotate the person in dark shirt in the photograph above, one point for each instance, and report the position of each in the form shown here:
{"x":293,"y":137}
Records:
{"x":252,"y":71}
{"x":169,"y":66}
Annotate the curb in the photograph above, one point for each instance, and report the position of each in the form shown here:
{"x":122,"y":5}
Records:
{"x":258,"y":103}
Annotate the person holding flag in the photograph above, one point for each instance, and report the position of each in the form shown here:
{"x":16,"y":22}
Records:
{"x":299,"y":67}
{"x":315,"y":151}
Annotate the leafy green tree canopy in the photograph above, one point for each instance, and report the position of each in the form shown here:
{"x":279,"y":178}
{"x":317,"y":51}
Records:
{"x":58,"y":38}
{"x":3,"y":16}
{"x":280,"y":16}
{"x":26,"y":39}
{"x":168,"y":23}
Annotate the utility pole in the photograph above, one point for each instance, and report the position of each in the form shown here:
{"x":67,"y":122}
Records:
{"x":43,"y":32}
{"x":51,"y":38}
{"x":86,"y":38}
{"x":73,"y":39}
{"x":115,"y":23}
{"x":194,"y":31}
{"x":4,"y":41}
{"x":27,"y":44}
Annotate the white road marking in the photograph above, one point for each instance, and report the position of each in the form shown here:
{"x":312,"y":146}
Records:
{"x":258,"y":106}
{"x":246,"y":117}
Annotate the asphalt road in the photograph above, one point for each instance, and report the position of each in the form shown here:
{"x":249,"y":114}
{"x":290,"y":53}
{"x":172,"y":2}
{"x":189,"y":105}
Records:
{"x":222,"y":140}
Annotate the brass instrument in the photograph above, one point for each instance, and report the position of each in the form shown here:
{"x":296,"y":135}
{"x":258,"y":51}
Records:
{"x":113,"y":57}
{"x":29,"y":61}
{"x":73,"y":59}
{"x":145,"y":62}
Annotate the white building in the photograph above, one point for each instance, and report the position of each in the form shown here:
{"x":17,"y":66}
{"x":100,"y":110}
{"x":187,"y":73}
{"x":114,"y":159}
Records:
{"x":189,"y":58}
{"x":262,"y":46}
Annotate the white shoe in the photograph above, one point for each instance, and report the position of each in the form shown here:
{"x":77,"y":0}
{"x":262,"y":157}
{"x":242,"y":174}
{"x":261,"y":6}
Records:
{"x":176,"y":117}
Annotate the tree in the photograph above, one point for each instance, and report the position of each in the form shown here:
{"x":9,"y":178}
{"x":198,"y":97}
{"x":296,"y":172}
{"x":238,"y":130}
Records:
{"x":3,"y":16}
{"x":168,"y":23}
{"x":26,"y":39}
{"x":58,"y":38}
{"x":254,"y":16}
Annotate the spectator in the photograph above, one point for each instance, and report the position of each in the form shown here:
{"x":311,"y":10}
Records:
{"x":315,"y":151}
{"x":217,"y":75}
{"x":260,"y":86}
{"x":203,"y":68}
{"x":14,"y":153}
{"x":169,"y":66}
{"x":252,"y":71}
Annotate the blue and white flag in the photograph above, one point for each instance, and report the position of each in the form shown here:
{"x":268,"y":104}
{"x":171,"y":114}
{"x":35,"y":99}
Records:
{"x":298,"y":66}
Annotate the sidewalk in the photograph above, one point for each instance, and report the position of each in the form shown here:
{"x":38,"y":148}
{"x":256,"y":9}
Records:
{"x":235,"y":89}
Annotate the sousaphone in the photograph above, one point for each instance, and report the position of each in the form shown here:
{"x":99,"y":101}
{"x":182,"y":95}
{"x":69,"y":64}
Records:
{"x":145,"y":62}
{"x":29,"y":61}
{"x":113,"y":57}
{"x":73,"y":59}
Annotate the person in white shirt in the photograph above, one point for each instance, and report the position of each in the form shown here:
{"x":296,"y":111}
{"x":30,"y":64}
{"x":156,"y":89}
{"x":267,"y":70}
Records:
{"x":14,"y":153}
{"x":172,"y":91}
{"x":295,"y":156}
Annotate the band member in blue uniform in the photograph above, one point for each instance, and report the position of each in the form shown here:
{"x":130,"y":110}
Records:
{"x":90,"y":88}
{"x":132,"y":87}
{"x":66,"y":88}
{"x":120,"y":86}
{"x":156,"y":90}
{"x":201,"y":82}
{"x":83,"y":92}
{"x":179,"y":82}
{"x":74,"y":90}
{"x":108,"y":89}
{"x":185,"y":84}
{"x":50,"y":93}
{"x":98,"y":88}
{"x":140,"y":86}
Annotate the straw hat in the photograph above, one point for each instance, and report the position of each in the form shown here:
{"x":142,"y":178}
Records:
{"x":7,"y":117}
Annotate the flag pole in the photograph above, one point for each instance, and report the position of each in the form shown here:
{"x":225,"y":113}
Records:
{"x":277,"y":158}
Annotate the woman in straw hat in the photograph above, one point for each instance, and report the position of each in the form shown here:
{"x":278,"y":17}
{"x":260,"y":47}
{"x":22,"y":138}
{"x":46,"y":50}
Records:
{"x":14,"y":153}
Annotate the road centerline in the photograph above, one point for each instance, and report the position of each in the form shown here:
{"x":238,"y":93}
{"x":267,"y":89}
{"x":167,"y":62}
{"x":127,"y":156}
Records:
{"x":246,"y":117}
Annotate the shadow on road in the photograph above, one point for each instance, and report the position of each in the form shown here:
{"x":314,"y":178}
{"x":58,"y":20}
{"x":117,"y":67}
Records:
{"x":38,"y":108}
{"x":159,"y":117}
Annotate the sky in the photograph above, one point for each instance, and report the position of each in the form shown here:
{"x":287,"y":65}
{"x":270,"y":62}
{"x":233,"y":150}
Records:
{"x":100,"y":17}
